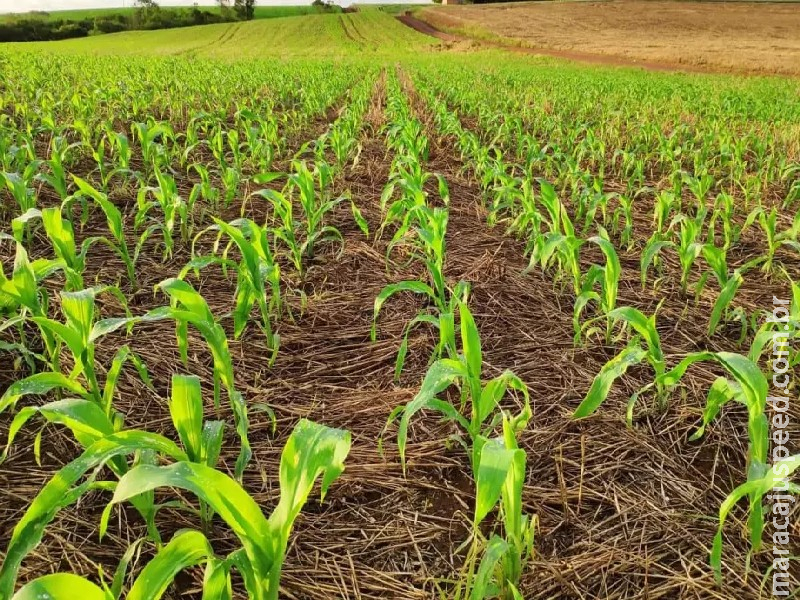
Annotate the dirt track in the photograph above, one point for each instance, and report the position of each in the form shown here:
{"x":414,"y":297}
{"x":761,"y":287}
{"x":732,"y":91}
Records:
{"x":742,"y":37}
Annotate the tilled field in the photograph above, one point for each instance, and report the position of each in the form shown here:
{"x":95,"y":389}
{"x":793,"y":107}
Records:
{"x":739,"y":37}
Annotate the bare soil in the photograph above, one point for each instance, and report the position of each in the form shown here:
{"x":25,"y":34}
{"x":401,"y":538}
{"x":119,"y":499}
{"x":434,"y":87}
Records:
{"x":742,"y":37}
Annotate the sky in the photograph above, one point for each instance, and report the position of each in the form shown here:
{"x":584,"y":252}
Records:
{"x":18,"y":6}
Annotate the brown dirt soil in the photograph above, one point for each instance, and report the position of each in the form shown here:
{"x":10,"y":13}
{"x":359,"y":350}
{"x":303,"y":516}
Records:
{"x":746,"y":37}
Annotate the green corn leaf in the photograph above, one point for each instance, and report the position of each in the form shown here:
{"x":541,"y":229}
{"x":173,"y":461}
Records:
{"x":442,"y":374}
{"x":482,"y":587}
{"x":212,"y":438}
{"x":611,"y":272}
{"x":471,"y":342}
{"x":217,"y":580}
{"x":61,"y":586}
{"x":724,"y":300}
{"x":227,"y":498}
{"x":362,"y":223}
{"x":38,"y":385}
{"x":747,"y":374}
{"x":756,"y":488}
{"x":717,"y":260}
{"x":646,"y":328}
{"x":312,"y":450}
{"x":186,"y":549}
{"x":186,"y":410}
{"x":417,"y":287}
{"x":720,"y":392}
{"x":84,"y":418}
{"x":122,"y":569}
{"x":494,"y":465}
{"x":616,"y":367}
{"x":59,"y":493}
{"x":20,"y":223}
{"x":649,"y":254}
{"x":23,"y":284}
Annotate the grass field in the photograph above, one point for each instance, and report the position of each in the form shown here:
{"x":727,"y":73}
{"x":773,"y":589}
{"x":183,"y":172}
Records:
{"x":371,"y":31}
{"x":322,"y":307}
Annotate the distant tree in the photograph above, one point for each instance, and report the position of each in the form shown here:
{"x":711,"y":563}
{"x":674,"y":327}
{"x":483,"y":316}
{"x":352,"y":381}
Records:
{"x":324,"y":5}
{"x":145,"y":10}
{"x":245,"y":9}
{"x":225,"y":9}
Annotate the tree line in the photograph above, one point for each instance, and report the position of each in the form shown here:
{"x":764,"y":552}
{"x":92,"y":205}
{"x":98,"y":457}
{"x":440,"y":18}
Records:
{"x":38,"y":27}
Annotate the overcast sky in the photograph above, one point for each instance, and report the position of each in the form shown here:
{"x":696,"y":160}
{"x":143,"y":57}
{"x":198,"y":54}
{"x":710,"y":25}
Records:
{"x":17,"y":6}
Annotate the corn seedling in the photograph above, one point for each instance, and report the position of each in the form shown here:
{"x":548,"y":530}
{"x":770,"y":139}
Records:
{"x":428,"y":246}
{"x":775,"y":239}
{"x":748,"y":386}
{"x":80,"y":332}
{"x":608,"y":276}
{"x":499,"y":478}
{"x":256,"y":269}
{"x":775,"y":478}
{"x":188,"y":307}
{"x":466,"y":370}
{"x":633,"y":354}
{"x":687,"y":247}
{"x":107,"y":444}
{"x":173,"y":207}
{"x":115,"y":223}
{"x":62,"y":237}
{"x":22,"y":294}
{"x":20,"y":186}
{"x":312,"y":451}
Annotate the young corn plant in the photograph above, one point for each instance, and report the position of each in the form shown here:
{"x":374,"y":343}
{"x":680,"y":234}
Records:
{"x":729,"y":285}
{"x":772,"y":332}
{"x":56,"y":178}
{"x":646,"y":332}
{"x":313,"y":191}
{"x":90,"y":422}
{"x":173,"y":208}
{"x":23,"y":295}
{"x":774,"y":238}
{"x":688,"y":248}
{"x":152,"y":137}
{"x":666,"y":203}
{"x":747,"y":386}
{"x":313,"y":451}
{"x":559,"y":245}
{"x":483,"y":398}
{"x":20,"y":186}
{"x":724,"y":211}
{"x":188,"y":307}
{"x":755,"y":488}
{"x":314,"y":194}
{"x":186,"y":549}
{"x":427,"y":245}
{"x":62,"y":237}
{"x":258,"y":276}
{"x":116,"y":227}
{"x":608,"y":276}
{"x":499,"y":478}
{"x":622,"y":220}
{"x":79,"y":332}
